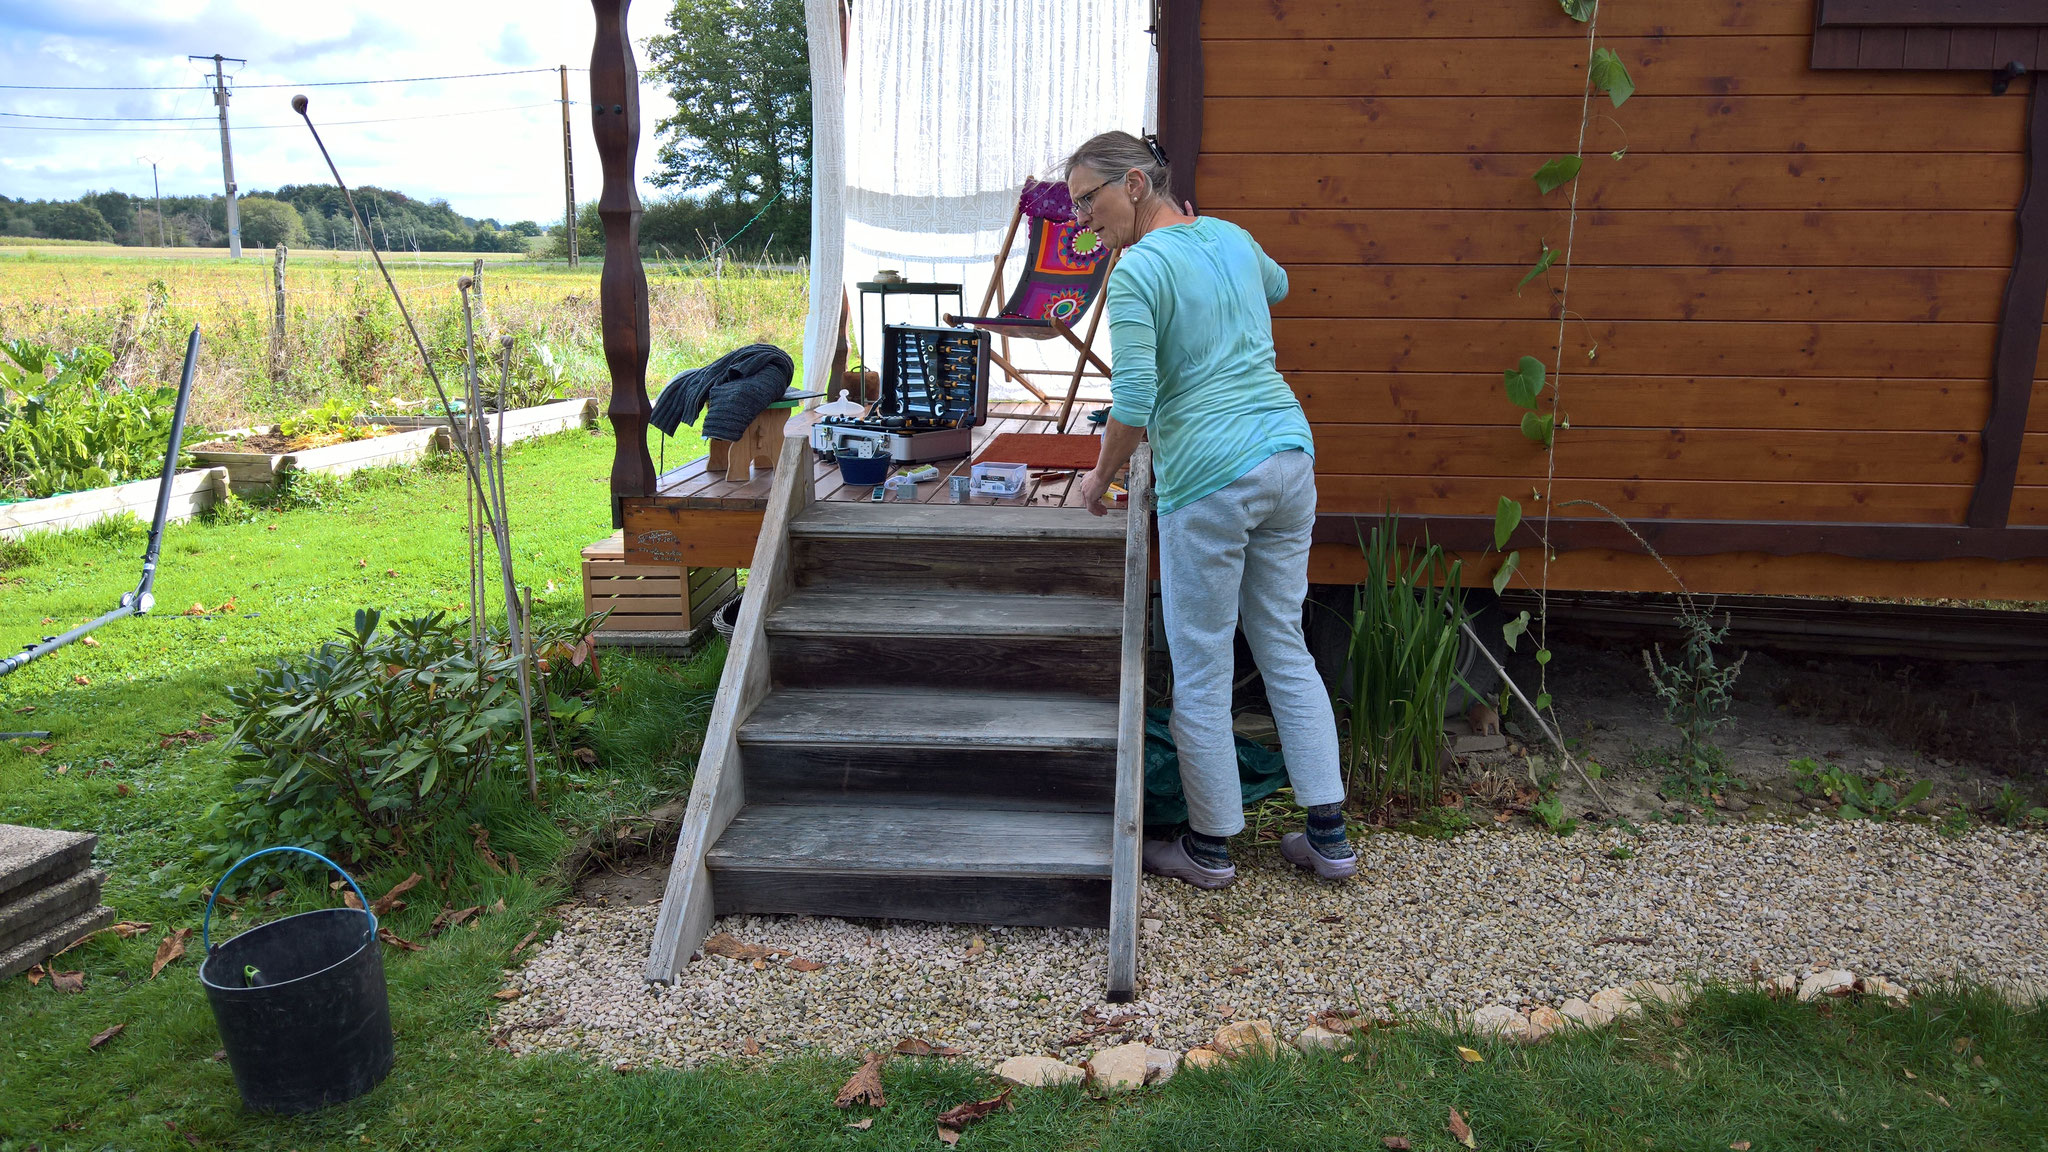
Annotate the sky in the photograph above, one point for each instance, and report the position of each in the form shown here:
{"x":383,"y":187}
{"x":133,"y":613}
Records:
{"x":490,"y":147}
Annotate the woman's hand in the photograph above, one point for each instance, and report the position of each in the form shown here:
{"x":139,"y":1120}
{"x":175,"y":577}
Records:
{"x":1094,"y":486}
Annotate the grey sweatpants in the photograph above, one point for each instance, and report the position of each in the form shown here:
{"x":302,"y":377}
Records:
{"x":1239,"y":557}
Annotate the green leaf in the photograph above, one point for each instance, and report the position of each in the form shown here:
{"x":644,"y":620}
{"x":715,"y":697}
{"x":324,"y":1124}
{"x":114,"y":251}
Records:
{"x":1542,"y":265}
{"x":1506,"y":515}
{"x":1542,"y":701}
{"x":1580,"y":10}
{"x":1505,"y":573}
{"x":1611,"y":76}
{"x":1594,"y":770}
{"x":1523,"y":382}
{"x":1557,"y":173}
{"x":1513,"y":629}
{"x":1543,"y":655}
{"x":1540,"y":428}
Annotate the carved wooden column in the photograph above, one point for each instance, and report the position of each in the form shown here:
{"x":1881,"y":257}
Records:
{"x":622,"y":290}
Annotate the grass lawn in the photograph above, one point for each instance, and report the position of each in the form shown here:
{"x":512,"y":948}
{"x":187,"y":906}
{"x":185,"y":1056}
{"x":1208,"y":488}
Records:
{"x":1954,"y":1071}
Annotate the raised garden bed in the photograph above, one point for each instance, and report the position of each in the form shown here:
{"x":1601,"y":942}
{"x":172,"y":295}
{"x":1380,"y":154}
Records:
{"x":255,"y":458}
{"x":520,"y":423}
{"x":192,"y":492}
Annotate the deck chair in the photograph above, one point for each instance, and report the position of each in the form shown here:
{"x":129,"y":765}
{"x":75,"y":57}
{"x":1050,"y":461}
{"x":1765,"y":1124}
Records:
{"x":1062,"y":281}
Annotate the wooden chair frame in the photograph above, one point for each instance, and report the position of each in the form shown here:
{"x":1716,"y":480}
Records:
{"x":1004,"y":328}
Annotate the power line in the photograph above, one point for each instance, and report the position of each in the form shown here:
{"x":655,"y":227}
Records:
{"x":104,"y":119}
{"x":308,"y":84}
{"x":270,"y":127}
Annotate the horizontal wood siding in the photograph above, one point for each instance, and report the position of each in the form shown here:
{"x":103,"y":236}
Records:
{"x":1785,"y":292}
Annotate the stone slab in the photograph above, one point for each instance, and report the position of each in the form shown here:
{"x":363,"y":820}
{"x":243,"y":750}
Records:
{"x":32,"y":858}
{"x":46,"y":908}
{"x":24,"y":956}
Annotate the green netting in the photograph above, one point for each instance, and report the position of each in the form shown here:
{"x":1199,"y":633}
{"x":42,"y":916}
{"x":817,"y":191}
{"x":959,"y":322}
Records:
{"x":1260,"y":772}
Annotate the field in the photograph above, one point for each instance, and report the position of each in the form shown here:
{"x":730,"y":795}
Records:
{"x":343,"y":336}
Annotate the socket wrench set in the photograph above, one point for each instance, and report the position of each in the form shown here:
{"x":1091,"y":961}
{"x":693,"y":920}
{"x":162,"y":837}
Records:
{"x":934,"y":393}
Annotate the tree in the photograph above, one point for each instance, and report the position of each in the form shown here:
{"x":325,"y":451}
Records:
{"x":267,"y":223}
{"x":77,"y":221}
{"x":739,"y":71}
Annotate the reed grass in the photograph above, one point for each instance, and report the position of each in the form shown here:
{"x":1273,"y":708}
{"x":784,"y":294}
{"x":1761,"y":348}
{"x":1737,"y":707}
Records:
{"x":1403,"y":661}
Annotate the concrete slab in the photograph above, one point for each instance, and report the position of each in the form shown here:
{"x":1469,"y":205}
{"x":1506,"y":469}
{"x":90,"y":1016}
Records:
{"x":32,"y":858}
{"x":49,"y":907}
{"x":24,"y":956}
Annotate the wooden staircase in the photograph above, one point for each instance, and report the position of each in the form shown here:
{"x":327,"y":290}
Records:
{"x":929,"y":711}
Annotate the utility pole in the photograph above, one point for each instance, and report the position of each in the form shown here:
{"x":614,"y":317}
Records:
{"x":227,"y":154}
{"x":159,"y":190}
{"x":568,"y":171}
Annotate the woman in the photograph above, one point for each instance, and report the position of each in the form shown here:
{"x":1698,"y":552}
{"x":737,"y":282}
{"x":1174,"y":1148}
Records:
{"x":1193,"y":367}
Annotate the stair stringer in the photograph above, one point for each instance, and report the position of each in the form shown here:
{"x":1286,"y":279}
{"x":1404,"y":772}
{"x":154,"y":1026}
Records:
{"x":718,"y":790}
{"x":1126,"y":879}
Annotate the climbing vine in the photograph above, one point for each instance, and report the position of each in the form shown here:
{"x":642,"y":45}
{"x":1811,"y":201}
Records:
{"x":1526,"y":384}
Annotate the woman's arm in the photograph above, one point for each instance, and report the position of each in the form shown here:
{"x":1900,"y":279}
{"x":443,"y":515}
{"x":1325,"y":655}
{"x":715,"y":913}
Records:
{"x":1133,"y":382}
{"x":1119,"y":440}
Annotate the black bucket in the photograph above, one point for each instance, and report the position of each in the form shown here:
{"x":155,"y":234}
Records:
{"x":301,"y":1005}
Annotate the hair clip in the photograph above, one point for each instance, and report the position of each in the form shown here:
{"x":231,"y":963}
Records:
{"x":1158,"y":153}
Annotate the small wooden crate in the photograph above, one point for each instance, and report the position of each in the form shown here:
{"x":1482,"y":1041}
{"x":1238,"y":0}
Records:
{"x":650,"y":597}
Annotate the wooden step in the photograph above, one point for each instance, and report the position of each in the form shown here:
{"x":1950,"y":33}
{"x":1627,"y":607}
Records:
{"x":947,"y":864}
{"x":945,"y":637}
{"x":1035,"y":551}
{"x":910,"y":746}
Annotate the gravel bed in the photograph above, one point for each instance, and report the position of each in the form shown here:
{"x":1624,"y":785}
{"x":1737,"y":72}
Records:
{"x":1430,"y":927}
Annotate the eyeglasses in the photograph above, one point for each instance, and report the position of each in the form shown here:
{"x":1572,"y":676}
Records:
{"x":1086,"y":200}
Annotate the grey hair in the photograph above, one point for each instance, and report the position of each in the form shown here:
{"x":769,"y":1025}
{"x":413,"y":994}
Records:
{"x":1115,"y":153}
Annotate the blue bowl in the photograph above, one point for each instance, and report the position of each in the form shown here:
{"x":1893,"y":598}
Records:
{"x":856,"y":470}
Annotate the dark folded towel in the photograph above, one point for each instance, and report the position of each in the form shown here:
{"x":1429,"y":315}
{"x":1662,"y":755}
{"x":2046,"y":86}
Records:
{"x":738,"y":386}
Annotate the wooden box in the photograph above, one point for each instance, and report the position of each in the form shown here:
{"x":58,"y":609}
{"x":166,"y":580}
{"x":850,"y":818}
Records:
{"x":651,"y":597}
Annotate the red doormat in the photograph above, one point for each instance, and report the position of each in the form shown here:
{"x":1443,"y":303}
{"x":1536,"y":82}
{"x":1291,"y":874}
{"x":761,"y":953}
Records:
{"x":1043,"y":450}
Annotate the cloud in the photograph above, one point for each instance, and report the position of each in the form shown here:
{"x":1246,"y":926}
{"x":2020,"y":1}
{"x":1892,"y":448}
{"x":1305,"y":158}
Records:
{"x":490,"y":147}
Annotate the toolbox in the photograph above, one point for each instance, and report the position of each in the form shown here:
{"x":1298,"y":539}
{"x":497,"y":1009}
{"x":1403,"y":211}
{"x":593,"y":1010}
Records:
{"x":934,"y":393}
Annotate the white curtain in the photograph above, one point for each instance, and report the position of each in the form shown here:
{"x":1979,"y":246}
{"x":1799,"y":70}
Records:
{"x":950,"y":105}
{"x":828,"y":192}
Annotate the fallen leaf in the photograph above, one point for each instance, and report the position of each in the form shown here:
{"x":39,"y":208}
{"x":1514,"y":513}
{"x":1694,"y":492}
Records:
{"x":128,"y":929}
{"x":862,"y":1124}
{"x":482,"y":841}
{"x":960,"y":1116}
{"x":1329,"y":919}
{"x":198,"y":609}
{"x":727,"y":945}
{"x":1739,"y":1146}
{"x":524,"y":941}
{"x":82,"y":680}
{"x":1470,"y":1056}
{"x":349,"y":898}
{"x":391,"y":571}
{"x":586,"y":755}
{"x":803,"y":965}
{"x":219,"y":1054}
{"x":949,"y":1136}
{"x":497,"y":906}
{"x":465,"y":914}
{"x":89,"y":642}
{"x":864,"y":1086}
{"x":951,"y":1052}
{"x":35,"y":975}
{"x":977,"y":946}
{"x":1962,"y":1044}
{"x":362,"y":563}
{"x":172,"y":947}
{"x":508,"y":994}
{"x":387,"y":936}
{"x":1396,"y":1143}
{"x":120,"y":789}
{"x":68,"y":981}
{"x":103,"y":1037}
{"x":1934,"y":1096}
{"x":38,"y":749}
{"x":751,"y":1046}
{"x":1909,"y":1073}
{"x":758,"y":965}
{"x":912,"y":1046}
{"x":1461,"y":1130}
{"x":63,"y":768}
{"x":1239,"y":970}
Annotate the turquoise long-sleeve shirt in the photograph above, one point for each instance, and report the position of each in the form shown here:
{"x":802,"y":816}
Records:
{"x":1191,"y":325}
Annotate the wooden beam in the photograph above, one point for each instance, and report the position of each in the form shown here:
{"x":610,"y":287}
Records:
{"x":2019,"y":334}
{"x":622,"y":288}
{"x":1178,"y":32}
{"x":1902,"y":542}
{"x":718,"y":791}
{"x":1922,"y":13}
{"x":1126,"y":880}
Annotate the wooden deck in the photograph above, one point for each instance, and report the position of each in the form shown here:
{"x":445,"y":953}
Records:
{"x":699,"y":518}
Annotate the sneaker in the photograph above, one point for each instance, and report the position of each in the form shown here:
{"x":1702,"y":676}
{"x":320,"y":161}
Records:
{"x":1295,"y":848}
{"x":1170,"y":858}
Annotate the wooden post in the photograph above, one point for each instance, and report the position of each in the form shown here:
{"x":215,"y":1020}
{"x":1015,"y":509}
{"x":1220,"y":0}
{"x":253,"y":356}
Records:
{"x":277,"y":345}
{"x":2019,"y":334}
{"x":622,"y":289}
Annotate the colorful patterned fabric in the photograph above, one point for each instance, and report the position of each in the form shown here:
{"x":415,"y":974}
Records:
{"x":1066,"y":261}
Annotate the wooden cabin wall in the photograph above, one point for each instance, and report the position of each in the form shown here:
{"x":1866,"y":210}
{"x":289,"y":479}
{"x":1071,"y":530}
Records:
{"x":1784,"y":296}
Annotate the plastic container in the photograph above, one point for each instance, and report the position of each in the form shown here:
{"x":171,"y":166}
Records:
{"x":999,"y":480}
{"x":301,"y":1004}
{"x":859,"y":470}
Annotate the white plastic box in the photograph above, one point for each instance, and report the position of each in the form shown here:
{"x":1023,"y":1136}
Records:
{"x":999,"y":480}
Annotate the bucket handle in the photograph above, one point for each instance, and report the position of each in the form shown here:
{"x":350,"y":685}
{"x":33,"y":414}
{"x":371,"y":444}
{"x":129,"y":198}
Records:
{"x":205,"y":941}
